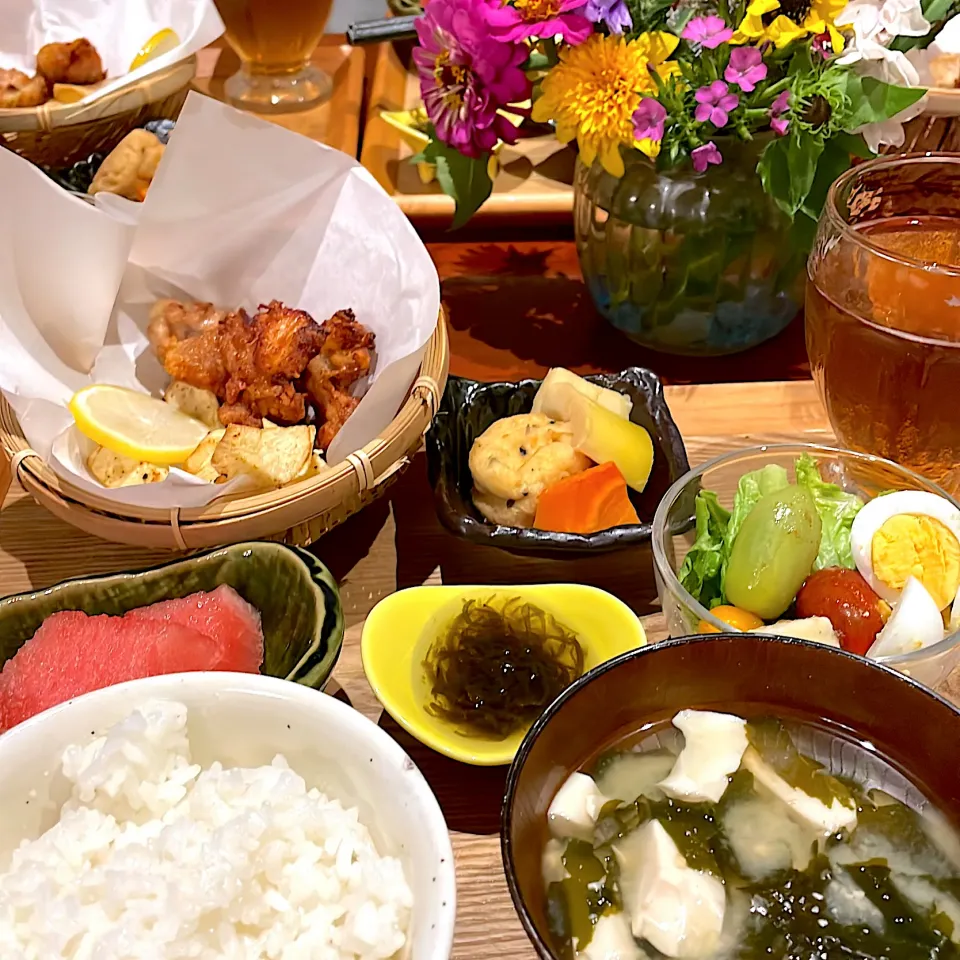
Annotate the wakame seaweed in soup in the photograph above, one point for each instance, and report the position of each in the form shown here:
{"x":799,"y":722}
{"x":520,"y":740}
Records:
{"x":748,"y":840}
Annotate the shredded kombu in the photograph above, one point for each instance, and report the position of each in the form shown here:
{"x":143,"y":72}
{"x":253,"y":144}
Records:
{"x":498,"y":665}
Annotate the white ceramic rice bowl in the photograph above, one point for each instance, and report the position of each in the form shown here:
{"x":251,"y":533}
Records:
{"x":245,"y":720}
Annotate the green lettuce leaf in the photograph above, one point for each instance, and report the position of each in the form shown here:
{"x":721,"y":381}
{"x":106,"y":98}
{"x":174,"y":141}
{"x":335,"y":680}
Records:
{"x":837,"y":508}
{"x":700,"y":572}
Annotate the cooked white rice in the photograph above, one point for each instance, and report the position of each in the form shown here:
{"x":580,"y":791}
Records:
{"x":156,"y":859}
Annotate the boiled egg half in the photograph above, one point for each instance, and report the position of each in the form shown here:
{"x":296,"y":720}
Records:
{"x":909,"y":534}
{"x":915,"y":623}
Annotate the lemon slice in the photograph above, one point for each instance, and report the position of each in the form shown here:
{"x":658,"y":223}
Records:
{"x":135,"y":425}
{"x":163,"y":41}
{"x":74,"y":92}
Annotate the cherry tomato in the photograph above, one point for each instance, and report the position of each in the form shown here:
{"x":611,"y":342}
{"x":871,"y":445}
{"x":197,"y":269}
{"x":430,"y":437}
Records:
{"x":847,"y":601}
{"x":733,"y":617}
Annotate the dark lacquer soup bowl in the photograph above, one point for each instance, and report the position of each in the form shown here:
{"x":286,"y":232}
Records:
{"x":911,"y":730}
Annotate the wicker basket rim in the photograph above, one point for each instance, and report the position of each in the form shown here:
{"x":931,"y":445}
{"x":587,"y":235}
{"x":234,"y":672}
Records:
{"x":154,"y":86}
{"x":366,"y":465}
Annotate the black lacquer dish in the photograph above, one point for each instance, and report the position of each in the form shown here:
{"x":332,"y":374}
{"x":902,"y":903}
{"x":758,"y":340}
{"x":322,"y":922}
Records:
{"x":469,"y":407}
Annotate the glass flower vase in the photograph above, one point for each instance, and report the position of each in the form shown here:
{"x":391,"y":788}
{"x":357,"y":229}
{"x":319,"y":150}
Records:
{"x":684,"y":262}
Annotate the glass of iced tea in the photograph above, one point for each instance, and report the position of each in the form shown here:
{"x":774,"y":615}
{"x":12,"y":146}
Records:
{"x":275,"y":40}
{"x":883,"y":312}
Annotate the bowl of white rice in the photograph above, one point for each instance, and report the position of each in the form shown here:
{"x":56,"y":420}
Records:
{"x":218,"y":816}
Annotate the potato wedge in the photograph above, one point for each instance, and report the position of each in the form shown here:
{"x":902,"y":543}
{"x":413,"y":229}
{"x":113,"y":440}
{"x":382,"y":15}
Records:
{"x":208,"y":473}
{"x":200,"y":404}
{"x":314,"y":465}
{"x":113,"y":470}
{"x":271,"y":457}
{"x":200,"y":459}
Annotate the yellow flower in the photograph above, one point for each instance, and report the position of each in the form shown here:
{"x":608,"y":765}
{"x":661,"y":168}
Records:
{"x":650,"y":147}
{"x":795,"y":21}
{"x":594,"y":90}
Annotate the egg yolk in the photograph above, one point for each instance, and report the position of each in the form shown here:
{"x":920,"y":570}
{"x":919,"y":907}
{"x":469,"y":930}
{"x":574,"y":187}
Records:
{"x":908,"y":545}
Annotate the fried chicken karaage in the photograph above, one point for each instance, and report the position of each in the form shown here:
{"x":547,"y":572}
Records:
{"x":76,"y":62}
{"x":343,"y":359}
{"x":19,"y":90}
{"x":268,"y":366}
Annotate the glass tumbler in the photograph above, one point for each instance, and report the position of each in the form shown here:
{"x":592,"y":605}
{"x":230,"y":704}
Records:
{"x":275,"y":40}
{"x":883,"y":312}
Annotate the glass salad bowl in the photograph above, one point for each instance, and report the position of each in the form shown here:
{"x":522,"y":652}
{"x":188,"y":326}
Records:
{"x":675,"y":532}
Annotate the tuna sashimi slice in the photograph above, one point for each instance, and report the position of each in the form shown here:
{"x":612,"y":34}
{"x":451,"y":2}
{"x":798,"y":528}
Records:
{"x":72,"y":654}
{"x":224,"y":616}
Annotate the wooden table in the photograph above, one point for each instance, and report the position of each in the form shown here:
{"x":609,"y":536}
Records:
{"x":335,"y":122}
{"x":398,"y":543}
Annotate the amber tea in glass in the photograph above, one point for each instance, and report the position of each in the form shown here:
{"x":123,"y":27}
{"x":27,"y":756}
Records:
{"x":883,"y":312}
{"x":275,"y":40}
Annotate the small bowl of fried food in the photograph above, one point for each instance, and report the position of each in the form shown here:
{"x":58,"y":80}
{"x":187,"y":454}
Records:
{"x":559,"y":467}
{"x":51,"y":117}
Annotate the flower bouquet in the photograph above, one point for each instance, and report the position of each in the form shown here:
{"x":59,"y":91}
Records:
{"x":709,"y":132}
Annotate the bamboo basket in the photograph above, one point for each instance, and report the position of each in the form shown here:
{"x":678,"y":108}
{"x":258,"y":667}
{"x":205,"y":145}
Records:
{"x":59,"y":134}
{"x":297,"y":514}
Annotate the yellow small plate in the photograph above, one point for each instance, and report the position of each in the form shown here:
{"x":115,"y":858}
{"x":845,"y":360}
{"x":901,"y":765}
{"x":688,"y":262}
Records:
{"x":396,"y":634}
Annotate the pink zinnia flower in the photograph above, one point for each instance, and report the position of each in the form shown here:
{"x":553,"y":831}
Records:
{"x":778,"y":108}
{"x":466,"y":75}
{"x":648,"y":120}
{"x":714,"y":103}
{"x":533,"y":19}
{"x":709,"y":32}
{"x":746,"y":68}
{"x":703,"y":156}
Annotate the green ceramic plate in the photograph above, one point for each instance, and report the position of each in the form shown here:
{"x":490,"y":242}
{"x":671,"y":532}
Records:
{"x":295,"y":593}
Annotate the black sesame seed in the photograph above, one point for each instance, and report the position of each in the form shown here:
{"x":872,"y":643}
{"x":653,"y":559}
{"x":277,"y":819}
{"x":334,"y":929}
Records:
{"x":523,"y":451}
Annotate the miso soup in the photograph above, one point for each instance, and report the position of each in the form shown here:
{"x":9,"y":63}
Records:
{"x":721,"y":838}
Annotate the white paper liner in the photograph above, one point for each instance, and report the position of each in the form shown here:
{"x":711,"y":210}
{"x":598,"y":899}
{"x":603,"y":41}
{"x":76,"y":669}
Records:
{"x":241,"y":212}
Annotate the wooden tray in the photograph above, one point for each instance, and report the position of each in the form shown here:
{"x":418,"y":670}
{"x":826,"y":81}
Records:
{"x":335,"y":122}
{"x":535,"y":178}
{"x":396,"y":543}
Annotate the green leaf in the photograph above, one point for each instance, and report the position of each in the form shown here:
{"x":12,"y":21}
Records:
{"x":936,"y":10}
{"x":834,"y":160}
{"x":801,"y":62}
{"x":837,"y":508}
{"x":803,"y":152}
{"x":536,"y":61}
{"x":775,"y":173}
{"x":700,"y":572}
{"x":788,"y":167}
{"x":876,"y":101}
{"x":465,"y":179}
{"x":854,"y":144}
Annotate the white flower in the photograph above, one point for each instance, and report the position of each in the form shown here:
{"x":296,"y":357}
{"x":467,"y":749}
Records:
{"x":875,"y":60}
{"x":880,"y":21}
{"x":903,"y":18}
{"x":890,"y":132}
